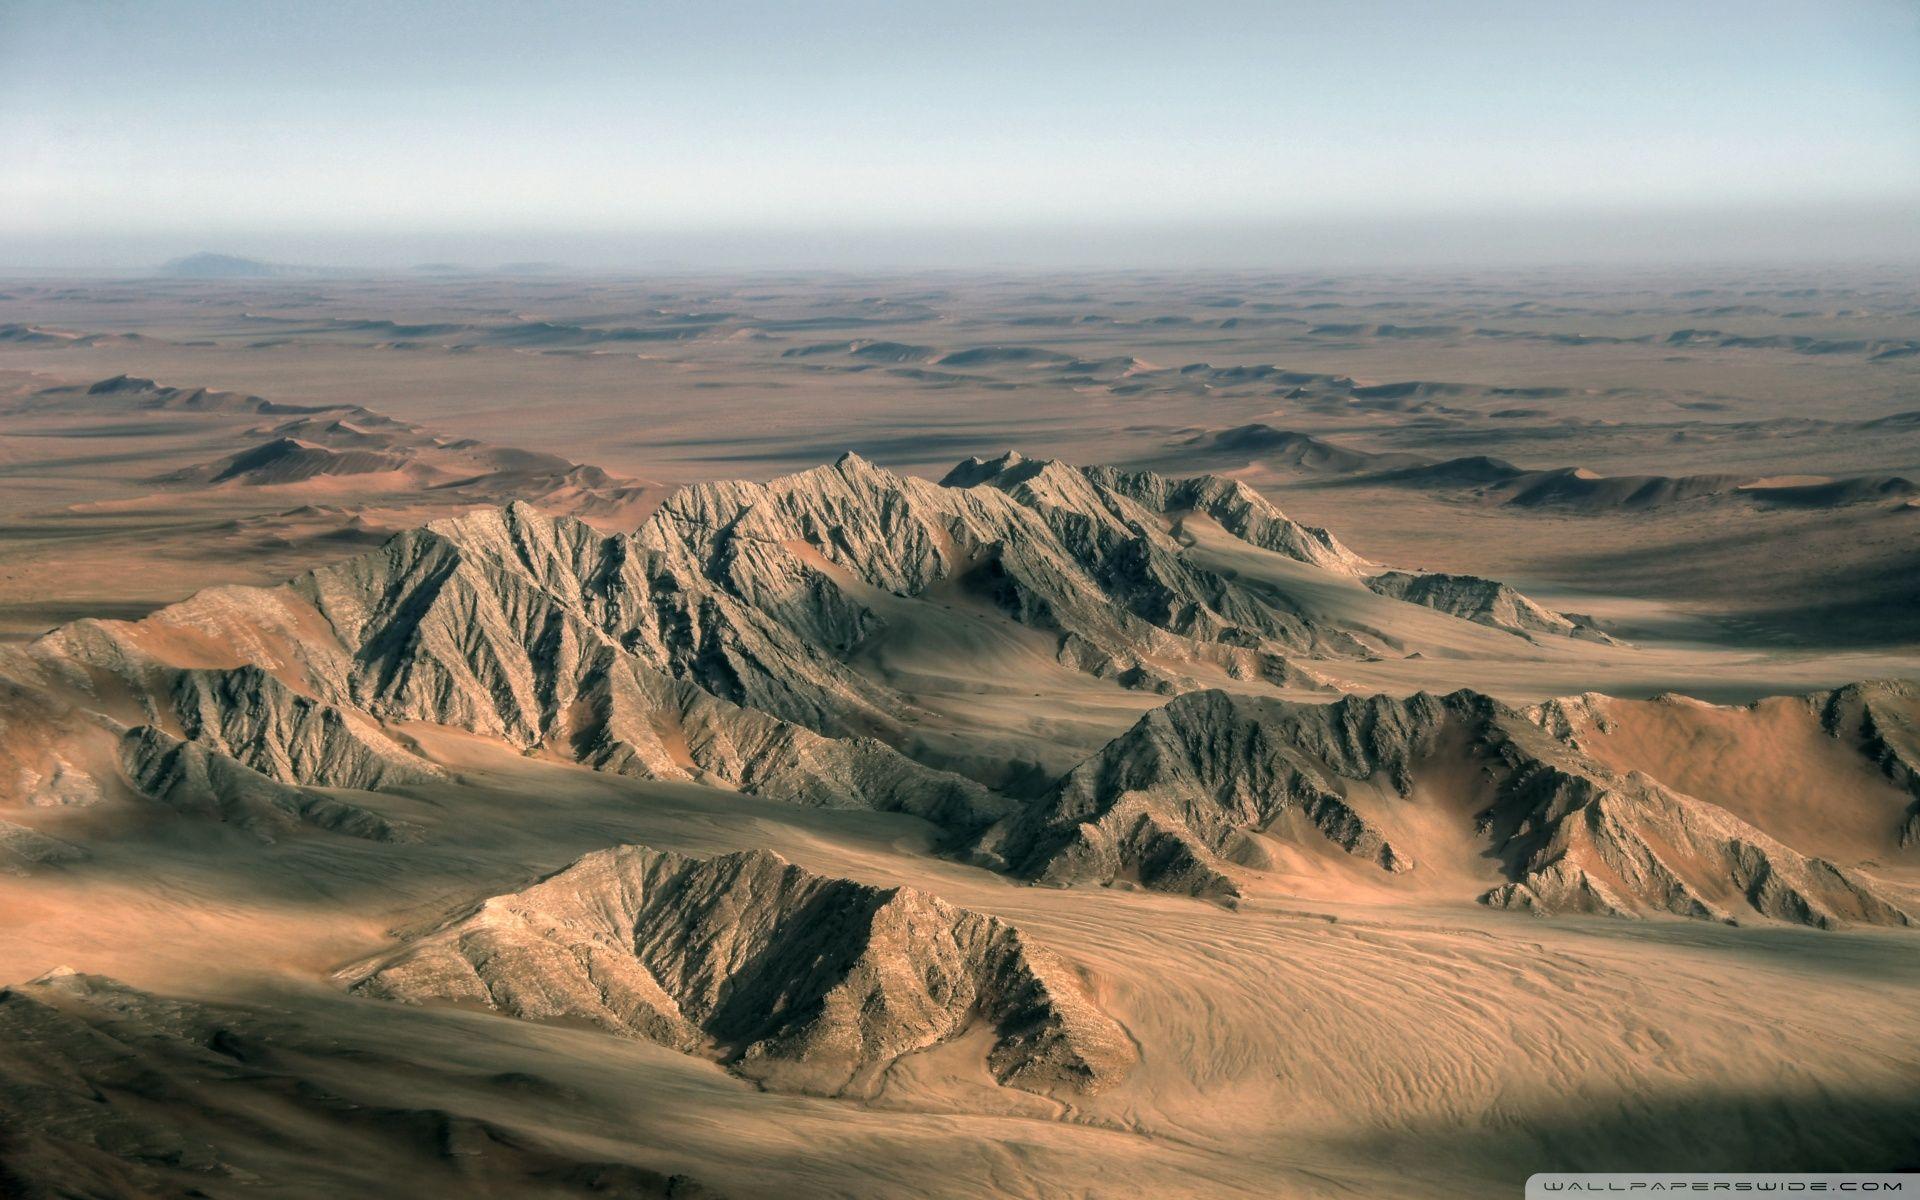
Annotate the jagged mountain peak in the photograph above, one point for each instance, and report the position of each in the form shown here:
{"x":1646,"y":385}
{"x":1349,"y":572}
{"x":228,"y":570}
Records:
{"x":977,"y":470}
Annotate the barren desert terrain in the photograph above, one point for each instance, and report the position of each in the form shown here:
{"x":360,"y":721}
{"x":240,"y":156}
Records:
{"x":956,"y":734}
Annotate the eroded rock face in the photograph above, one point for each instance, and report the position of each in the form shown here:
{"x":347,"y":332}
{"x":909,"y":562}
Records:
{"x":1238,"y":509}
{"x":1582,"y":840}
{"x":1577,"y":837}
{"x":1571,"y":718}
{"x":710,"y":645}
{"x":790,"y":978}
{"x":503,"y":621}
{"x":1118,"y":527}
{"x":713,"y":646}
{"x":1164,"y":802}
{"x":1484,"y":602}
{"x":250,"y":716}
{"x":634,"y":721}
{"x":192,"y":779}
{"x":1882,"y":718}
{"x":492,"y":624}
{"x":1050,"y":546}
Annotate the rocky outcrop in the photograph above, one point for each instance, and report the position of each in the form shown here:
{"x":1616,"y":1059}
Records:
{"x":635,"y":721}
{"x":191,"y":779}
{"x":508,"y":624}
{"x":1048,"y":546}
{"x":1572,"y":718}
{"x":789,"y":978}
{"x":1484,"y":602}
{"x":710,"y":645}
{"x":1577,"y":838}
{"x":1165,"y":801}
{"x":22,"y":849}
{"x":715,"y":646}
{"x":1239,"y":510}
{"x":250,"y":716}
{"x":1882,"y":718}
{"x":493,"y":622}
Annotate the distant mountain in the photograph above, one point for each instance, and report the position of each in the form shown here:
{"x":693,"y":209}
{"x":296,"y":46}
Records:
{"x":1576,"y":489}
{"x":1289,"y":448}
{"x":207,"y":265}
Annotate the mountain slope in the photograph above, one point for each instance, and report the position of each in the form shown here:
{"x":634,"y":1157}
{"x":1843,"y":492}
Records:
{"x":719,"y":644}
{"x":106,"y":1090}
{"x":789,"y":978}
{"x":1884,"y":718}
{"x":1171,"y":801}
{"x":1482,"y":601}
{"x":1165,"y":800}
{"x":711,"y":645}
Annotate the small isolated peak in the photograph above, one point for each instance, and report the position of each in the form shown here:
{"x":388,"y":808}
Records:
{"x":122,"y":383}
{"x":63,"y":979}
{"x":978,"y":470}
{"x":852,"y":467}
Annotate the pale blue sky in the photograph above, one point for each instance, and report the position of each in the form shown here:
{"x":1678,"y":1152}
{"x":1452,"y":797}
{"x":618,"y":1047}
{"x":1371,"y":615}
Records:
{"x":381,"y":129}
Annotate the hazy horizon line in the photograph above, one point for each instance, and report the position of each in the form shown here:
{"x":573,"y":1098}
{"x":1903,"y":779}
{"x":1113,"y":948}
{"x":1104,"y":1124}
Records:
{"x":1648,"y":238}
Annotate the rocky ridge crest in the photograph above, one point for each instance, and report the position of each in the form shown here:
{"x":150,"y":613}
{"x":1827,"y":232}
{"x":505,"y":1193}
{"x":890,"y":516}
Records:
{"x":1485,"y":602}
{"x":710,"y":645}
{"x":793,"y":979}
{"x":1167,"y":803}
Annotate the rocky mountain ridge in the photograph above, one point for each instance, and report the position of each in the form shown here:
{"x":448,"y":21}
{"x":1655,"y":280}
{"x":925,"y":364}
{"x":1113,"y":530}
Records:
{"x":710,"y":645}
{"x":1882,"y":717}
{"x":1172,"y":801}
{"x":1485,"y":602}
{"x":792,"y":979}
{"x":717,"y":645}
